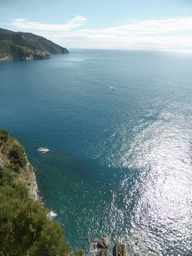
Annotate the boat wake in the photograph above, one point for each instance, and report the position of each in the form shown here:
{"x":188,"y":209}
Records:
{"x":43,"y":150}
{"x":51,"y":215}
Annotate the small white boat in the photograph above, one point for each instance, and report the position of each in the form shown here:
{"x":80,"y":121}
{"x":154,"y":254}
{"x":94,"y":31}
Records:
{"x":43,"y":150}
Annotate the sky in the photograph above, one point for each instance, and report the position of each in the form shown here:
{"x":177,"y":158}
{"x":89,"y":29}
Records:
{"x":104,"y":24}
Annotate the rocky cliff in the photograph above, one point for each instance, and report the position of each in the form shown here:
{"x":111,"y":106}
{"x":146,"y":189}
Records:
{"x":26,"y":46}
{"x":14,"y":160}
{"x":25,"y":227}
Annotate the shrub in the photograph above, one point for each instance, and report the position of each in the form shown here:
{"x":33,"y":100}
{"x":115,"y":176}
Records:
{"x":80,"y":253}
{"x":17,"y":155}
{"x":21,"y":191}
{"x":24,"y":227}
{"x":6,"y":177}
{"x":10,"y":167}
{"x":4,"y":136}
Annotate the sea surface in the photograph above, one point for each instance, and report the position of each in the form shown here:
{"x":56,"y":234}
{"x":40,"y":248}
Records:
{"x":118,"y":125}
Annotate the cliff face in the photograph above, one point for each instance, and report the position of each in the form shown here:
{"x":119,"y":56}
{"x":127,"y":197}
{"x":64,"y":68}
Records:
{"x":13,"y":158}
{"x":29,"y":179}
{"x":26,"y":46}
{"x":25,"y":227}
{"x":20,"y":53}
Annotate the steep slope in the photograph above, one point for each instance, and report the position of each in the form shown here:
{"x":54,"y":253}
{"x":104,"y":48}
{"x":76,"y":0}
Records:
{"x":25,"y":225}
{"x":26,"y":46}
{"x":14,"y":163}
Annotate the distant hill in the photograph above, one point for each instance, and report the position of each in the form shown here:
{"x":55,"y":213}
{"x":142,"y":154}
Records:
{"x":26,"y":46}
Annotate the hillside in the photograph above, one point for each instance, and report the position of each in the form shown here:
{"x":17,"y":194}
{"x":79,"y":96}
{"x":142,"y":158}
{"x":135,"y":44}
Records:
{"x":26,"y":46}
{"x":25,"y":228}
{"x":13,"y":158}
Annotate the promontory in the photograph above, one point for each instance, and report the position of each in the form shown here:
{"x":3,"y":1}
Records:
{"x":26,"y":46}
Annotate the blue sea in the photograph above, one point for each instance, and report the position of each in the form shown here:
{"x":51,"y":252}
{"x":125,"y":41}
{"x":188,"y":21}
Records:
{"x":118,"y":125}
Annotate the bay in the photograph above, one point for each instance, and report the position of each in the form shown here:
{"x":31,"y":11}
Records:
{"x":118,"y":126}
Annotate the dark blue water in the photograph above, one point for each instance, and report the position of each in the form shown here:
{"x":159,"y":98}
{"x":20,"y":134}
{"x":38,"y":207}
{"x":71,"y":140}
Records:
{"x":120,"y":160}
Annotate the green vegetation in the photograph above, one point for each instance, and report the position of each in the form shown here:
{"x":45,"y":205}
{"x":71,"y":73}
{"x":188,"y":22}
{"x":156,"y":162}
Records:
{"x":6,"y":176}
{"x":21,"y":45}
{"x":4,"y":46}
{"x":24,"y":227}
{"x":4,"y":136}
{"x":18,"y":157}
{"x":80,"y":253}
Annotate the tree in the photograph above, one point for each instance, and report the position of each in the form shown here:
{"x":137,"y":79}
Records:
{"x":17,"y":155}
{"x":6,"y":176}
{"x":4,"y":136}
{"x":80,"y":253}
{"x":24,"y":226}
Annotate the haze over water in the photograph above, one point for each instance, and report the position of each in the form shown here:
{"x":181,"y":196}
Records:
{"x":121,"y":159}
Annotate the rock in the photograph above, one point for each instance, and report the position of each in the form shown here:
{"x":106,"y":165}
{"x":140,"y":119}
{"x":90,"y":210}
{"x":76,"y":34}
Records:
{"x":104,"y":252}
{"x":103,"y":242}
{"x":5,"y":57}
{"x":119,"y":248}
{"x":41,"y":55}
{"x":94,"y":245}
{"x":28,"y":177}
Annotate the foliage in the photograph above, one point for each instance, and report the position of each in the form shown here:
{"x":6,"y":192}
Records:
{"x":10,"y":167}
{"x":18,"y":157}
{"x":4,"y":46}
{"x":80,"y":253}
{"x":6,"y":177}
{"x":12,"y":42}
{"x":4,"y":136}
{"x":24,"y":227}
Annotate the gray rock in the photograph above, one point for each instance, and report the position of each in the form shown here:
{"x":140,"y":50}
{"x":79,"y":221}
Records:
{"x":104,"y":252}
{"x":119,"y":248}
{"x":103,"y":242}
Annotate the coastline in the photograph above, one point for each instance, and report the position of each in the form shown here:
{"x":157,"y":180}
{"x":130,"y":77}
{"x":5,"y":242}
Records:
{"x":29,"y":179}
{"x":6,"y":57}
{"x":36,"y":55}
{"x":26,"y":226}
{"x":14,"y":159}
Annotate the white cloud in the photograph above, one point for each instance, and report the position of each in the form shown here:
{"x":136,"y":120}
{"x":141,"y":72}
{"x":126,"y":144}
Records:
{"x":24,"y":24}
{"x":164,"y":34}
{"x":148,"y":27}
{"x":79,"y":19}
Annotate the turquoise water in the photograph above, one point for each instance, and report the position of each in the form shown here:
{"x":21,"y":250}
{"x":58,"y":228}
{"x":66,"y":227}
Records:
{"x":120,"y":161}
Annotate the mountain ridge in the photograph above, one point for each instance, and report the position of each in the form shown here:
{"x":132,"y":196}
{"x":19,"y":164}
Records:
{"x":26,"y":46}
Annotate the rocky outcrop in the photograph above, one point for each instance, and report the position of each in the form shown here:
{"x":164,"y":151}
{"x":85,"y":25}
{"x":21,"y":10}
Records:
{"x":26,"y":46}
{"x":29,"y":179}
{"x":103,"y":242}
{"x":14,"y":159}
{"x":5,"y":56}
{"x":41,"y":55}
{"x":119,"y":248}
{"x":100,"y":248}
{"x":104,"y":252}
{"x":20,"y":53}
